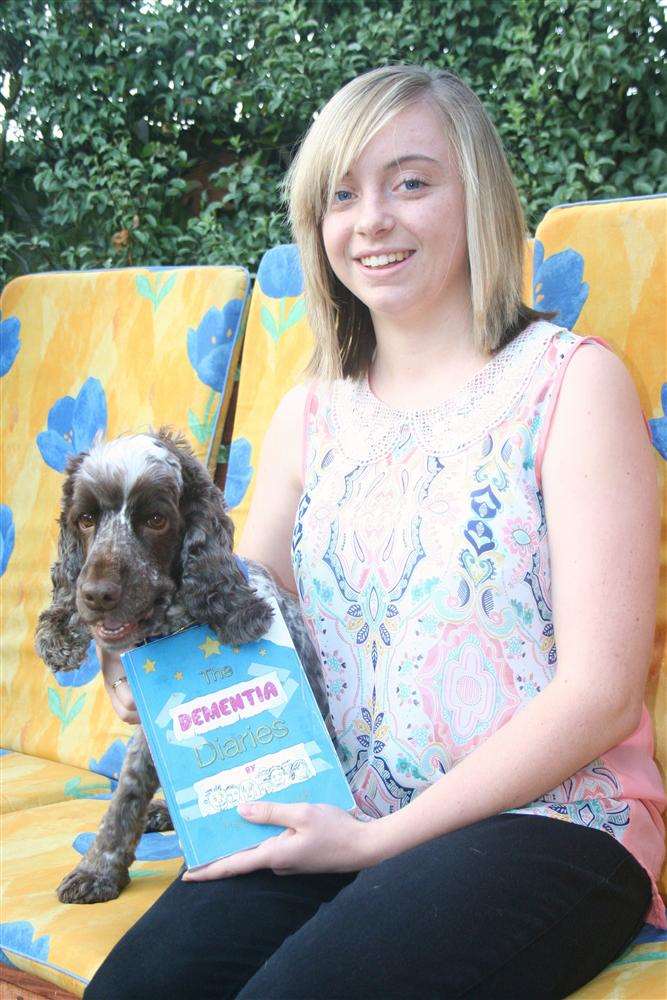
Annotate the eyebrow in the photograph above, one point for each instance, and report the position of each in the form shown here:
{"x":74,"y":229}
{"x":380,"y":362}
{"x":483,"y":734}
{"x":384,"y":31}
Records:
{"x":407,"y":158}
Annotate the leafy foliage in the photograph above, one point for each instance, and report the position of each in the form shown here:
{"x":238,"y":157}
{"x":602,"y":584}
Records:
{"x":156,"y":132}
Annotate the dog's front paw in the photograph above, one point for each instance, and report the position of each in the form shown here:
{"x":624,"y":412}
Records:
{"x":84,"y":885}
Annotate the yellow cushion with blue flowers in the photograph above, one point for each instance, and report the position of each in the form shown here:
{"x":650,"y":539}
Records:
{"x":601,"y":266}
{"x":109,"y":351}
{"x":277,"y":345}
{"x":83,"y":353}
{"x":66,"y":944}
{"x":27,"y":781}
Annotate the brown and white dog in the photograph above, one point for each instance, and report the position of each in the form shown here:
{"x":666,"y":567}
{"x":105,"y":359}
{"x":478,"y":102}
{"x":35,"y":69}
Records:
{"x":145,"y":548}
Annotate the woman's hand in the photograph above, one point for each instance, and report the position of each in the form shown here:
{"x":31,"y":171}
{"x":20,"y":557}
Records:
{"x":119,"y":693}
{"x":318,"y":838}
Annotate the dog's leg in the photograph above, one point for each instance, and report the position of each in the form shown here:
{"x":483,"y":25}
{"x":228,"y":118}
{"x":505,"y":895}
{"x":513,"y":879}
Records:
{"x":103,"y":872}
{"x":157,"y":817}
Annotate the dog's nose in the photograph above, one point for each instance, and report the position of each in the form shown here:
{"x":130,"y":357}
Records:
{"x":101,"y":595}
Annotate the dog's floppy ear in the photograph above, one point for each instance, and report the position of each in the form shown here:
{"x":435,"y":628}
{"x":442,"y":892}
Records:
{"x":213,"y":590}
{"x":61,"y":638}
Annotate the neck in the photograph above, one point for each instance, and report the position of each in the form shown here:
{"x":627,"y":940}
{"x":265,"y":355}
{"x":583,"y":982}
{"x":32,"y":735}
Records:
{"x":422,"y":360}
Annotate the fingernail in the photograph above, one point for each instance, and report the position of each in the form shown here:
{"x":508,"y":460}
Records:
{"x":245,"y":808}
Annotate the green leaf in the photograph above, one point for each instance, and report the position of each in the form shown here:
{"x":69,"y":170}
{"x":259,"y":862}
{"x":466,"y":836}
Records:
{"x":196,"y":428}
{"x":144,"y":288}
{"x":75,"y":709}
{"x":296,"y":312}
{"x":53,"y":697}
{"x":269,"y":323}
{"x":136,"y":873}
{"x":166,"y":288}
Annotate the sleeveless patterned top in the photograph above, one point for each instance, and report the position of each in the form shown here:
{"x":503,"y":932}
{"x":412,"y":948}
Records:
{"x":421,"y":557}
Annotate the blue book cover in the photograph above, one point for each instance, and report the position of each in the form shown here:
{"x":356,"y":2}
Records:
{"x":227,"y":725}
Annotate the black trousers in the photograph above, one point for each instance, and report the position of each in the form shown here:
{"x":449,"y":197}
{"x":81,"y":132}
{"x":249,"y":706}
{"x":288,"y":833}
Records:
{"x":513,"y":906}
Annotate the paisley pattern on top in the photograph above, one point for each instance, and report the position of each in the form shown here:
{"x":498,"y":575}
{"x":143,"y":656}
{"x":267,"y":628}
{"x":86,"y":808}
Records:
{"x":421,"y":556}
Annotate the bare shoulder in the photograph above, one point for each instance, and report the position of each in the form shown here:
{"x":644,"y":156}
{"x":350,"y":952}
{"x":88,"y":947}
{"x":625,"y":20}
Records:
{"x":289,"y":412}
{"x":598,"y":452}
{"x":595,"y":371}
{"x":598,"y":410}
{"x":284,"y":435}
{"x":278,"y":484}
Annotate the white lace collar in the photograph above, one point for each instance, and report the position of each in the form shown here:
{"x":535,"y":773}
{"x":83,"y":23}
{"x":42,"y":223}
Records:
{"x":366,"y":428}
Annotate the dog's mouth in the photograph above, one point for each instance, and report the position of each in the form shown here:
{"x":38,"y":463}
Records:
{"x":113,"y":633}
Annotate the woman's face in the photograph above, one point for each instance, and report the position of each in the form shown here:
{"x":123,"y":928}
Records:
{"x":395,"y":232}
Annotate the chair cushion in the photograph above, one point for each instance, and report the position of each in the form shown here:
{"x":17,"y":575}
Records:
{"x":65,"y":944}
{"x":110,"y":351}
{"x":27,"y":781}
{"x":602,"y":266}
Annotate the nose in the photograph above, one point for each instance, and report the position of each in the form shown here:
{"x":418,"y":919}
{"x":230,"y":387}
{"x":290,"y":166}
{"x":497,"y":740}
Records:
{"x":101,"y":594}
{"x":373,"y":216}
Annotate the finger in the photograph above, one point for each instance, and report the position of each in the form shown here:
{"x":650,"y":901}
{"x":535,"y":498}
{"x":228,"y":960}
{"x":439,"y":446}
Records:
{"x":124,"y":696}
{"x":110,"y":663}
{"x":290,"y":814}
{"x":123,"y":707}
{"x":240,"y":863}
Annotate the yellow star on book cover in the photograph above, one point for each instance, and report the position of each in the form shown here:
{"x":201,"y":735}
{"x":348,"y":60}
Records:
{"x":210,"y":647}
{"x":149,"y":666}
{"x":178,"y":676}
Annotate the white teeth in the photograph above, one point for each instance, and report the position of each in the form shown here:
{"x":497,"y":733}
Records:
{"x":113,"y":631}
{"x":385,"y":258}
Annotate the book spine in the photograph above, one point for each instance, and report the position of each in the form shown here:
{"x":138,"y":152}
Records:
{"x":153,"y":739}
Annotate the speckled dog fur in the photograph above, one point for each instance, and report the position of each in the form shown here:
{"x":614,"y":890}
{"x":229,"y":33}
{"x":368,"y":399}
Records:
{"x":145,"y":542}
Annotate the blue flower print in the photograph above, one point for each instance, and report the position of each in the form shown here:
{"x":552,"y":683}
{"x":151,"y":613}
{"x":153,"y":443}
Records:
{"x":18,"y":936}
{"x":10,"y":343}
{"x":210,"y":345}
{"x":6,"y":536}
{"x":89,"y":668}
{"x":239,"y":472}
{"x":72,"y":424}
{"x":111,"y":761}
{"x":279,"y":273}
{"x":151,"y":847}
{"x":558,"y":285}
{"x":658,"y":425}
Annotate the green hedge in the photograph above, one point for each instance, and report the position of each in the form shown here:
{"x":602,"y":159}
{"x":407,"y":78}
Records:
{"x":150,"y":132}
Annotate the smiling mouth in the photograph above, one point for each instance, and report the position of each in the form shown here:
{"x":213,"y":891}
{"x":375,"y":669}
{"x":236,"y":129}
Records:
{"x":385,"y":260}
{"x":115,"y":633}
{"x":112,"y":632}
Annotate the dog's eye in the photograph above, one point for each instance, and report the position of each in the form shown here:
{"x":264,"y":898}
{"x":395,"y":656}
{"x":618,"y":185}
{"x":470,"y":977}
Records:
{"x":86,"y":521}
{"x":156,"y":521}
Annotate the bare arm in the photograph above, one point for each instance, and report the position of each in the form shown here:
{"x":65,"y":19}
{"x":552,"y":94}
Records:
{"x":600,"y":493}
{"x":267,"y":534}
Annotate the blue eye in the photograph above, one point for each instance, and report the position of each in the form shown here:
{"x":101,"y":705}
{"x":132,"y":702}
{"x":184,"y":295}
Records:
{"x":342,"y":196}
{"x":413,"y":183}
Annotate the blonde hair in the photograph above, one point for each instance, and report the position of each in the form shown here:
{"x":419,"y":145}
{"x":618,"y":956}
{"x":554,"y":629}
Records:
{"x":344,"y":336}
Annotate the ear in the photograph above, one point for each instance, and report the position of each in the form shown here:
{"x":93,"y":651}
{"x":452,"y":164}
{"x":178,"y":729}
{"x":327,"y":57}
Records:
{"x":213,"y":590}
{"x":62,"y":638}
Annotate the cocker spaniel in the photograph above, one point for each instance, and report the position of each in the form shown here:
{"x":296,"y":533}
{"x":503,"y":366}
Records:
{"x":145,"y":548}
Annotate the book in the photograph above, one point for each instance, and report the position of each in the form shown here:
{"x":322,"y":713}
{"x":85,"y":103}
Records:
{"x":227,"y":725}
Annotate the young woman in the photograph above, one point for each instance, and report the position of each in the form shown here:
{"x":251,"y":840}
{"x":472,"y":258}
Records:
{"x":458,"y":484}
